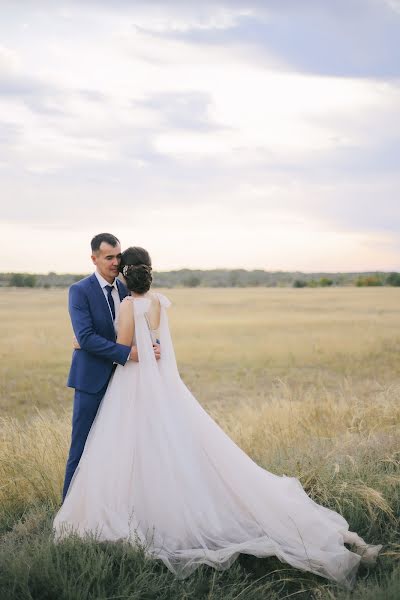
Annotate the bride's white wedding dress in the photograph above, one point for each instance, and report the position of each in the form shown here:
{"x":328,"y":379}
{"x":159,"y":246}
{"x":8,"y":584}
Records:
{"x":157,"y":469}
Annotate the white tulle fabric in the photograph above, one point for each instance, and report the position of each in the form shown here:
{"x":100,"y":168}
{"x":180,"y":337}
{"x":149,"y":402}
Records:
{"x":157,"y":469}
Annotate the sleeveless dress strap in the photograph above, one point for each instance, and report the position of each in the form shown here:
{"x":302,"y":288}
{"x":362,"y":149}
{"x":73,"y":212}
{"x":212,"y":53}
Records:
{"x":167,"y":362}
{"x":147,"y":362}
{"x":164,"y":301}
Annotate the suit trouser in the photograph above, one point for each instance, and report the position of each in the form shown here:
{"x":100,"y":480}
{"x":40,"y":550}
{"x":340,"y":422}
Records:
{"x":85,"y":409}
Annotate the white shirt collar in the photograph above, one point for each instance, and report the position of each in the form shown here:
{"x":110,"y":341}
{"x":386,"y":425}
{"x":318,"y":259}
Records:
{"x":103,"y":282}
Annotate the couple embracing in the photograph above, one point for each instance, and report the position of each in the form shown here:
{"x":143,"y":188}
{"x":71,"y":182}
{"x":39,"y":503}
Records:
{"x":148,"y":465}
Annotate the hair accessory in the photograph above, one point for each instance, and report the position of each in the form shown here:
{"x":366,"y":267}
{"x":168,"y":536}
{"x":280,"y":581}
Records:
{"x":127,"y":269}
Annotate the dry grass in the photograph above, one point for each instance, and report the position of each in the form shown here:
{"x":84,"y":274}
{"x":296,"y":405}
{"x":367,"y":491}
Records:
{"x":281,"y":370}
{"x":232,"y":344}
{"x":305,"y":381}
{"x":337,"y":449}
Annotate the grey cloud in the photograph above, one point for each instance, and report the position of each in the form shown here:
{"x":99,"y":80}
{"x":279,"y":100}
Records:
{"x":182,"y":110}
{"x":355,"y":38}
{"x":39,"y":97}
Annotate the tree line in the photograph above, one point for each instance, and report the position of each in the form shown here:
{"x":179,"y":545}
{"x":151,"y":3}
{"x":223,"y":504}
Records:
{"x":218,"y":278}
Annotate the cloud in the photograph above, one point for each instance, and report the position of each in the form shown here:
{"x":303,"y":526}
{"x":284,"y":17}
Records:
{"x":393,"y":5}
{"x":181,"y":110}
{"x":356,"y":38}
{"x":231,"y":124}
{"x":179,"y":17}
{"x":16,"y":85}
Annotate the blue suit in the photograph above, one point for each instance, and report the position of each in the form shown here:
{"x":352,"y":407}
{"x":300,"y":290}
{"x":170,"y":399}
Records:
{"x":92,"y":365}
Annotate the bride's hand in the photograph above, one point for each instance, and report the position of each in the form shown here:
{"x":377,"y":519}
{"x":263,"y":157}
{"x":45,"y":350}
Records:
{"x":157,"y":352}
{"x":75,"y":343}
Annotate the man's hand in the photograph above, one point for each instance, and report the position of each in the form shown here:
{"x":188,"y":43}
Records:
{"x":75,"y":344}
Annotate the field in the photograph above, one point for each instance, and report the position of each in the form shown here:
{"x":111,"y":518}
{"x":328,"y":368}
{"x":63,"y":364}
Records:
{"x":306,"y":381}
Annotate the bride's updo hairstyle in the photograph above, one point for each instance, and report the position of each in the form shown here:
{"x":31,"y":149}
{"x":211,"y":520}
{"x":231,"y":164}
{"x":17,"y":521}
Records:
{"x":135,"y":266}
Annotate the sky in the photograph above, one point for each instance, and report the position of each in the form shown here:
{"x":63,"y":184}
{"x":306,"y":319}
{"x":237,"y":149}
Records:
{"x":237,"y":134}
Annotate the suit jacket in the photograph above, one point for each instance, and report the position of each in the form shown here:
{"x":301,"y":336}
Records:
{"x":93,"y":326}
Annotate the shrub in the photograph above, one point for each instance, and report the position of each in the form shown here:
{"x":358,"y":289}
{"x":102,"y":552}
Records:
{"x":369,"y":280}
{"x":299,"y":283}
{"x":325,"y":282}
{"x":393,"y":279}
{"x":191,"y":281}
{"x":22,"y":280}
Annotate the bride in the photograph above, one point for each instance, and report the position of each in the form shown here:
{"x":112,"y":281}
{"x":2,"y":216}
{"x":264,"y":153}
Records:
{"x":156,"y":469}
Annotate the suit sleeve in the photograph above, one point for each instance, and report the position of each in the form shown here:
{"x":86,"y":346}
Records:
{"x":88,"y":339}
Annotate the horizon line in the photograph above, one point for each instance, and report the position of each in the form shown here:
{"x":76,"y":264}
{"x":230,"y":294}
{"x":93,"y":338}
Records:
{"x":305,"y":272}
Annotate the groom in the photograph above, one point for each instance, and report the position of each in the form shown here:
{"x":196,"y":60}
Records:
{"x":93,"y":307}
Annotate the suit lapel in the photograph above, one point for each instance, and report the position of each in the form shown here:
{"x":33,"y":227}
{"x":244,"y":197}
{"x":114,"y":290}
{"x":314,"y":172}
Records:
{"x":102,"y":301}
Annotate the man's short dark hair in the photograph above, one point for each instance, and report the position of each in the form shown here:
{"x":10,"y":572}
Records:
{"x":109,"y":238}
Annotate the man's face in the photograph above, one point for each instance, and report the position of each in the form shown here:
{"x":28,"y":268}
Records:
{"x":107,"y":260}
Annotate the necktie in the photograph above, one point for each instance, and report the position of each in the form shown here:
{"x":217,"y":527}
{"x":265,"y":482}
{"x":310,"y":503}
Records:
{"x":110,"y":299}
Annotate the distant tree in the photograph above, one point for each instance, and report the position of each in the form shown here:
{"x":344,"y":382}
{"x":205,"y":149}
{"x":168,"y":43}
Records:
{"x":237,"y":278}
{"x":361,"y":281}
{"x":30,"y":281}
{"x":191,"y":281}
{"x":312,"y":283}
{"x":17,"y":280}
{"x":369,"y":281}
{"x":393,"y":279}
{"x":22,"y":280}
{"x":256,"y":278}
{"x":299,"y":283}
{"x":325,"y":282}
{"x":216,"y":278}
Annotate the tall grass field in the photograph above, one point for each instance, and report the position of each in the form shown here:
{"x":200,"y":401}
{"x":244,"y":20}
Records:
{"x":306,"y":381}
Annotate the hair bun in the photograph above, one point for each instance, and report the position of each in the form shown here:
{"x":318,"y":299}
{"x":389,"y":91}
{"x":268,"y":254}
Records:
{"x":138,"y":277}
{"x":136,"y":268}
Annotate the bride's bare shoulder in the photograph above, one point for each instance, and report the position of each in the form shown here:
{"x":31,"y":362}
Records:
{"x":153,"y":296}
{"x":127,"y":301}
